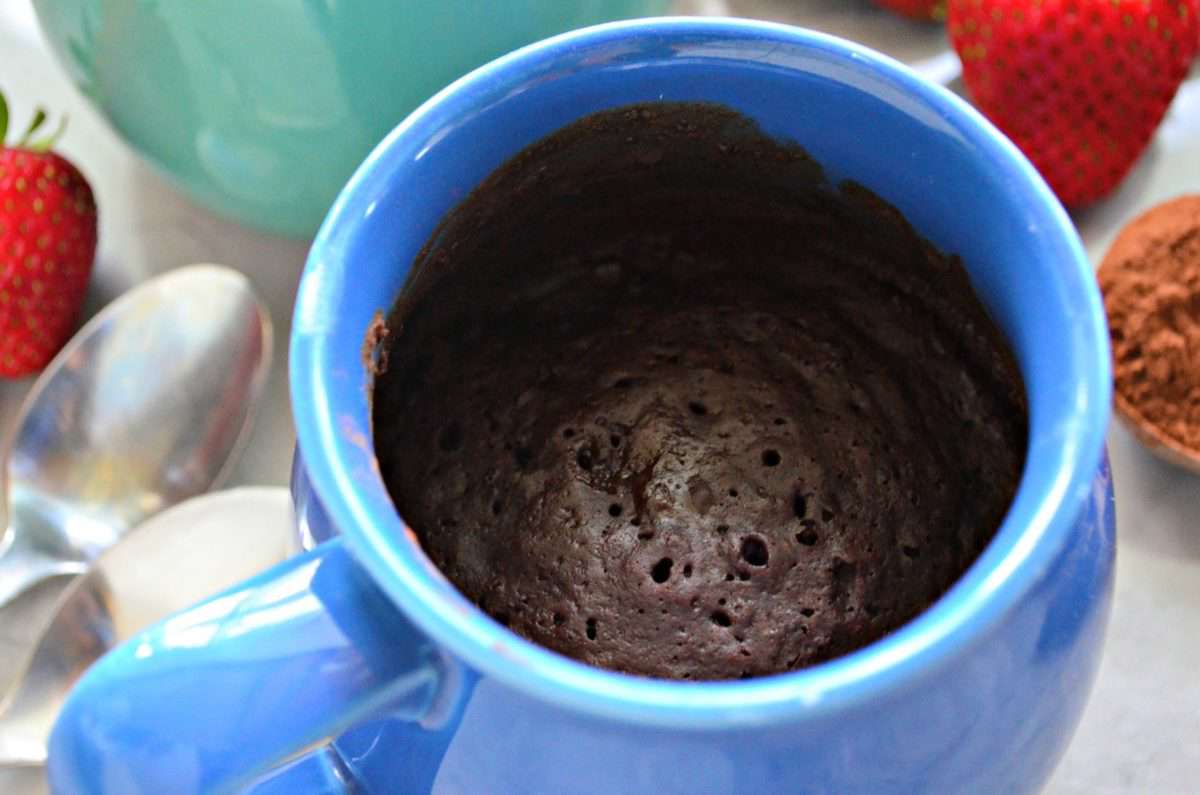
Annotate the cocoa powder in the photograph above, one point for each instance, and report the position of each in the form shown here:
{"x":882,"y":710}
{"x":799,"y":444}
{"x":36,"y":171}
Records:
{"x":1151,"y":284}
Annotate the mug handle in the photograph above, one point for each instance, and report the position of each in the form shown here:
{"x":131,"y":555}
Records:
{"x":320,"y":772}
{"x":209,"y":699}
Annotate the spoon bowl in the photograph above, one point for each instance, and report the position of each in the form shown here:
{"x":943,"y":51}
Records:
{"x":1157,"y":442}
{"x":167,"y":563}
{"x":146,"y":406}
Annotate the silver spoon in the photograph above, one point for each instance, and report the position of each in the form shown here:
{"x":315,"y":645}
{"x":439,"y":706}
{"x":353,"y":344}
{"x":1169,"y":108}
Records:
{"x":144,"y":407}
{"x":166,"y":564}
{"x":945,"y":69}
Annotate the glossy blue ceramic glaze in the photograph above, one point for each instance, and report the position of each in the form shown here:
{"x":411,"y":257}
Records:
{"x":364,"y":639}
{"x":319,"y":773}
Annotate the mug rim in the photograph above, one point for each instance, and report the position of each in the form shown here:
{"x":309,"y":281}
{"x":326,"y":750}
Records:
{"x":978,"y":599}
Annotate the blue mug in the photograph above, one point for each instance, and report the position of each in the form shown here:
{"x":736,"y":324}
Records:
{"x":364,"y":641}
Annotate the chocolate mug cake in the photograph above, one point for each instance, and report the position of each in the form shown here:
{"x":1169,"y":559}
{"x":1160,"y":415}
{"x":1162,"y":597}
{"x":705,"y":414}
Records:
{"x":659,"y":397}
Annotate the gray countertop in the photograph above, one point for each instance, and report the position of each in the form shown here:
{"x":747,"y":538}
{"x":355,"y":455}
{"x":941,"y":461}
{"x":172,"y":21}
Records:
{"x":1141,"y":731}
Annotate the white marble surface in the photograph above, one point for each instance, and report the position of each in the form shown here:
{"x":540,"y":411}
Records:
{"x":1141,"y":731}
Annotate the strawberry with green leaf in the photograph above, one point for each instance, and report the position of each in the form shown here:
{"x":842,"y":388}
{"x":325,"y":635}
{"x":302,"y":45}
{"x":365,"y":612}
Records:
{"x":47,"y":245}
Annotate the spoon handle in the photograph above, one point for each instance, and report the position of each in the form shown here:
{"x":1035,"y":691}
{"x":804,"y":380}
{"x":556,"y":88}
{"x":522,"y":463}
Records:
{"x":23,"y":565}
{"x":17,"y":751}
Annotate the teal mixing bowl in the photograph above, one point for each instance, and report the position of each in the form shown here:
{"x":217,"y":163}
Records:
{"x":262,"y":109}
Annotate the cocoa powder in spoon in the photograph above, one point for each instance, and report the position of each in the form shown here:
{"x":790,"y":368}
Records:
{"x":1151,"y":284}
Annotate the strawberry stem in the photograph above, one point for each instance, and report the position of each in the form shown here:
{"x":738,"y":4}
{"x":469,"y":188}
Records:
{"x":39,"y":118}
{"x":47,"y":143}
{"x":44,"y":144}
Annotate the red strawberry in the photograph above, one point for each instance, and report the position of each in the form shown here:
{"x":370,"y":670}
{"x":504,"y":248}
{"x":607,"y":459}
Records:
{"x":47,"y":244}
{"x":1079,"y":85}
{"x":934,"y":10}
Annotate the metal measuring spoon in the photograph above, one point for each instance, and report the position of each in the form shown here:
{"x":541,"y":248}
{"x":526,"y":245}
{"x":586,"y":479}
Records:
{"x":143,"y":408}
{"x":168,"y":563}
